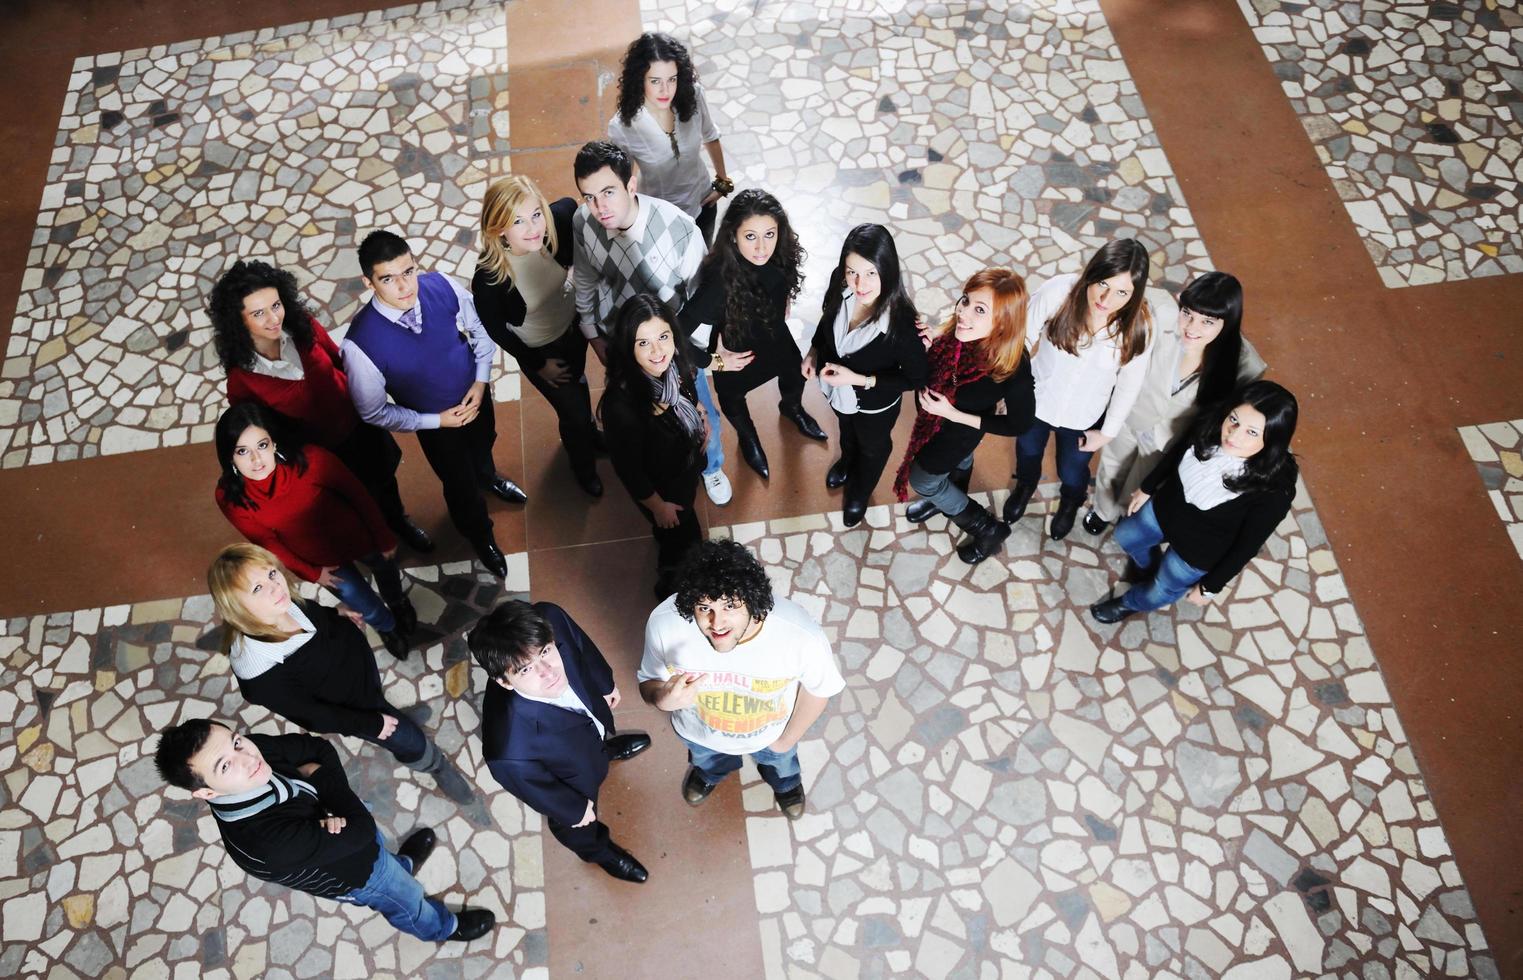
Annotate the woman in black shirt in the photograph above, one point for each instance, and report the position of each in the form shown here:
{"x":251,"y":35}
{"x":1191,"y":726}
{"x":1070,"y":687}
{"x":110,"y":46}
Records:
{"x":1215,"y":498}
{"x":656,"y":428}
{"x":745,"y":288}
{"x":867,"y":355}
{"x":978,"y":361}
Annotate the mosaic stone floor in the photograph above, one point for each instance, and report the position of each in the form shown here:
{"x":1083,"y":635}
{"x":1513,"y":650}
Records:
{"x":1413,"y":108}
{"x":101,"y":866}
{"x":1497,"y":449}
{"x":286,"y":143}
{"x":1007,"y":788}
{"x":981,"y":135}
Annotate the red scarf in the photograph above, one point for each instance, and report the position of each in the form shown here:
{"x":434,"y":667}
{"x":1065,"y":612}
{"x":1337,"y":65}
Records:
{"x":953,"y":364}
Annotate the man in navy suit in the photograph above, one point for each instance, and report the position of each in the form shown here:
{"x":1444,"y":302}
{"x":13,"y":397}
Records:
{"x":547,"y":728}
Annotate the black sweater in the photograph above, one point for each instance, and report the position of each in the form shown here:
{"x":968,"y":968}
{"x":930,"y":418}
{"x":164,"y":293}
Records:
{"x":286,"y":844}
{"x":331,"y":684}
{"x":653,"y":453}
{"x":500,"y":305}
{"x":954,"y":441}
{"x":896,"y":359}
{"x":1221,"y":540}
{"x":707,"y":305}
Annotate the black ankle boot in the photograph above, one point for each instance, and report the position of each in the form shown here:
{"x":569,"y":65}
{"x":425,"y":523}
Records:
{"x":838,"y":472}
{"x":920,"y":511}
{"x":853,"y":508}
{"x":750,"y":447}
{"x":1063,"y":518}
{"x":985,"y":535}
{"x":1015,"y":504}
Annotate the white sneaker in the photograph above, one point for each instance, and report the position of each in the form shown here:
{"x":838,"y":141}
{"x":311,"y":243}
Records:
{"x":717,"y":486}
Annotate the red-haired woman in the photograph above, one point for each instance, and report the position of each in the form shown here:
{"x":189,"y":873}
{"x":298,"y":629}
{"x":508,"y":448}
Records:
{"x":978,"y":361}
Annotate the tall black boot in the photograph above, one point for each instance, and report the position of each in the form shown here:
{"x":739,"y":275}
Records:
{"x":1015,"y":504}
{"x":985,"y":534}
{"x":1063,"y":518}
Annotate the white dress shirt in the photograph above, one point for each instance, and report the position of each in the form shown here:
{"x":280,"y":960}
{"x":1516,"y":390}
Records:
{"x":1074,"y":390}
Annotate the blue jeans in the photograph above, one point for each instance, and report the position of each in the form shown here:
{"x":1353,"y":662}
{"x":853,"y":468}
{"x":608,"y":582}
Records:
{"x":780,"y":770}
{"x":1140,"y":535}
{"x":939,"y":489}
{"x":407,"y":741}
{"x":1073,"y":462}
{"x":353,"y":590}
{"x":392,"y":891}
{"x":713,"y":450}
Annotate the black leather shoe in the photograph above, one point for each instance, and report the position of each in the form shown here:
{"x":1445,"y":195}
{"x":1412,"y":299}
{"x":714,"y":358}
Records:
{"x":920,"y":511}
{"x":1110,"y":611}
{"x":985,"y":535}
{"x":491,"y":557}
{"x":806,"y":423}
{"x":505,"y":489}
{"x":626,"y":746}
{"x":405,"y":615}
{"x":1093,"y":524}
{"x":413,"y":536}
{"x":852,"y":512}
{"x":472,"y":924}
{"x":417,"y":847}
{"x":1015,"y":504}
{"x":591,"y":483}
{"x":694,"y":789}
{"x":791,"y":802}
{"x":837,"y":474}
{"x":1063,"y":518}
{"x":623,"y":865}
{"x":751,"y":449}
{"x":395,"y":643}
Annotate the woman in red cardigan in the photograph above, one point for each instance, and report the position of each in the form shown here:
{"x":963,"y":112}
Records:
{"x":277,"y":354}
{"x":308,"y":509}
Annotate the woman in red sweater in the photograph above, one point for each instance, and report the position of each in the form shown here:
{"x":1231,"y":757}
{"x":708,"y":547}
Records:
{"x":306,"y":507}
{"x":277,"y":354}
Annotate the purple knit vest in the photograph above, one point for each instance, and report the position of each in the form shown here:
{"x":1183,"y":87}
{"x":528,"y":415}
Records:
{"x":426,"y":372}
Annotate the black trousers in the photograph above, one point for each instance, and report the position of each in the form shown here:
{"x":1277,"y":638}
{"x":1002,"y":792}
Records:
{"x":705,"y":221}
{"x":373,"y":456}
{"x":572,"y":400}
{"x":867,"y":441}
{"x":590,"y":843}
{"x":776,"y":357}
{"x":673,"y":543}
{"x":462,"y":459}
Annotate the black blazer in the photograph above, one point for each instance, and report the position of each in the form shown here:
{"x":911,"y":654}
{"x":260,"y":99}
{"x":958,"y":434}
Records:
{"x":653,"y":453}
{"x":547,"y":756}
{"x":500,"y":305}
{"x":330,"y":685}
{"x":897,"y":359}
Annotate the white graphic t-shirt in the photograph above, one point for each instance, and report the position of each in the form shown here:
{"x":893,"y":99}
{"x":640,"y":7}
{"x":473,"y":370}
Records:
{"x":748,"y":696}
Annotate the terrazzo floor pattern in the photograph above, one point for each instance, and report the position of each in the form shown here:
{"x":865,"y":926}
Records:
{"x":1497,"y":450}
{"x":106,"y":873}
{"x":286,"y":144}
{"x":1413,"y":110}
{"x":1008,"y":789}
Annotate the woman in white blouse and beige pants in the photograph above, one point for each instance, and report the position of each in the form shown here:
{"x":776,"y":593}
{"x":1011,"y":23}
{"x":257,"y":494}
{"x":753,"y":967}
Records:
{"x":1088,"y":335}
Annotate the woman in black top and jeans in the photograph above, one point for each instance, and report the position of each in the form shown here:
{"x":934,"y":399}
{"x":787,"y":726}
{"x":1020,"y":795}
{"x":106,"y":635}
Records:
{"x":656,"y":428}
{"x":528,"y":308}
{"x":978,"y":362}
{"x":867,"y":355}
{"x":1214,"y":499}
{"x":745,"y":288}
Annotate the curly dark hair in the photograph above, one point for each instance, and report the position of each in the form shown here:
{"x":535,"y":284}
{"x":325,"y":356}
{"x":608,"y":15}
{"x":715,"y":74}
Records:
{"x":644,"y":51}
{"x":723,"y":569}
{"x":225,"y":437}
{"x":747,"y":307}
{"x":230,"y":338}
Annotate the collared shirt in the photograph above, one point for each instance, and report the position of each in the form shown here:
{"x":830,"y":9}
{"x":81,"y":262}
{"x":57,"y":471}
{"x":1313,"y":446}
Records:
{"x":567,"y":699}
{"x":251,"y":657}
{"x":286,"y":367}
{"x":1074,"y":390}
{"x":1204,"y":480}
{"x":367,"y":385}
{"x":681,"y":178}
{"x":843,"y":398}
{"x":659,"y":253}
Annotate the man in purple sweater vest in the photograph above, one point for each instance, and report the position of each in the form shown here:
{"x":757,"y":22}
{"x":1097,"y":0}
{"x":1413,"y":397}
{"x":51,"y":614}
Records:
{"x":418,"y":360}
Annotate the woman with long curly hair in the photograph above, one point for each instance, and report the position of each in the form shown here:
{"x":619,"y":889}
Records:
{"x":1214,"y":499}
{"x":740,"y":310}
{"x":866,"y":355}
{"x":656,"y":428}
{"x":278,"y":355}
{"x":526,"y":304}
{"x":663,"y":121}
{"x":1088,"y":335}
{"x":304,"y":505}
{"x":978,"y":364}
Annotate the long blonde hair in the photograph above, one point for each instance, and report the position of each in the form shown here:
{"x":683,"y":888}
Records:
{"x":503,"y":198}
{"x":224,"y":580}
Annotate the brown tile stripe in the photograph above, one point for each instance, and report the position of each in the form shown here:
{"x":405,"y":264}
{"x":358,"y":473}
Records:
{"x":1384,"y":378}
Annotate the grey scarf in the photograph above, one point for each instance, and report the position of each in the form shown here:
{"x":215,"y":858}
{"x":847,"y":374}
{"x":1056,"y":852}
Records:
{"x":668,"y":391}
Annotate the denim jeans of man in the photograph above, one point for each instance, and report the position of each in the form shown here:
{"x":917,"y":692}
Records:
{"x":1139,"y":536}
{"x":353,"y":590}
{"x":392,"y":891}
{"x":939,"y":489}
{"x":780,"y":769}
{"x":713,"y":450}
{"x":1073,"y":462}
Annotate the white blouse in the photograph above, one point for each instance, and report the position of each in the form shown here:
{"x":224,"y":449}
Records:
{"x":1074,"y":390}
{"x":1205,"y":480}
{"x":683,"y":178}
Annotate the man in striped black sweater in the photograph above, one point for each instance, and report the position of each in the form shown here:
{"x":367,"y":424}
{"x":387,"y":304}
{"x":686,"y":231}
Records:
{"x":287,"y":815}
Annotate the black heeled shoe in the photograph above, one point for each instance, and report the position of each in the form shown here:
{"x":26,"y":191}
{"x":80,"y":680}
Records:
{"x":1063,"y":518}
{"x":852,"y":511}
{"x":839,"y":471}
{"x":751,"y":448}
